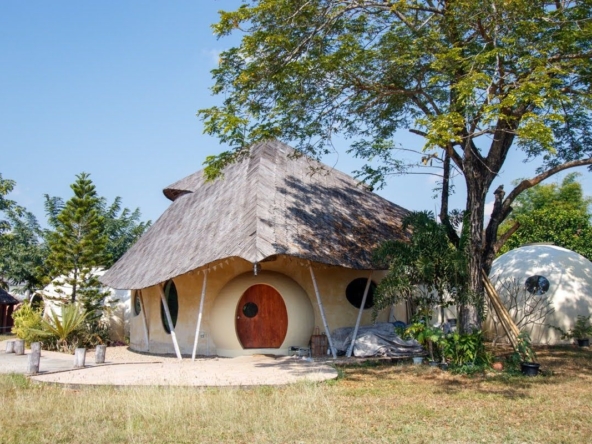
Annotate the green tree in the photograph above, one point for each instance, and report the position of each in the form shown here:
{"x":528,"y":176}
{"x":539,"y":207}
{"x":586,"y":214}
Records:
{"x":78,"y":244}
{"x":427,"y":271}
{"x":122,"y":227}
{"x":556,"y":213}
{"x":21,"y":242}
{"x":476,"y":79}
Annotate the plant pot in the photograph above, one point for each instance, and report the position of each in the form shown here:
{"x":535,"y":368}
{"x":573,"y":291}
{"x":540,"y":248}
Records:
{"x":417,"y":360}
{"x":434,"y":363}
{"x":498,"y":366}
{"x":444,"y":365}
{"x":529,"y":368}
{"x":585,"y":342}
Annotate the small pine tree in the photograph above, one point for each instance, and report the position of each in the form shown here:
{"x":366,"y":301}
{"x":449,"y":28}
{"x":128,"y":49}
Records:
{"x":78,"y":245}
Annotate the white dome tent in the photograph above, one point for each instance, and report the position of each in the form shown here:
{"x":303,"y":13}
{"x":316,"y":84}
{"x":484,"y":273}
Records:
{"x":562,"y":275}
{"x":119,"y":317}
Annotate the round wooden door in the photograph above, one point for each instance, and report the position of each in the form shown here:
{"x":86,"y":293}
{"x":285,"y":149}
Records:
{"x":261,"y":318}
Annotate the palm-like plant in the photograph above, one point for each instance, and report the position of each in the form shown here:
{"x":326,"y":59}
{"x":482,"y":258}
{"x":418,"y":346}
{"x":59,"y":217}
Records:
{"x":63,"y":327}
{"x":423,"y":270}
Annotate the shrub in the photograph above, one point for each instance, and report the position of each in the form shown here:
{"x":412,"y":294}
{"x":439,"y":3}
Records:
{"x":27,"y":320}
{"x":463,"y":349}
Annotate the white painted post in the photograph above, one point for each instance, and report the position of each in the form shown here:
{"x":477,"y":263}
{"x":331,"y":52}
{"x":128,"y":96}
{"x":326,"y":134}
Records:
{"x":100,"y":352}
{"x":145,"y":321}
{"x":354,"y":336}
{"x":79,"y":357}
{"x":19,"y":347}
{"x":322,"y":310}
{"x":201,"y":304}
{"x":170,"y":321}
{"x":34,"y":358}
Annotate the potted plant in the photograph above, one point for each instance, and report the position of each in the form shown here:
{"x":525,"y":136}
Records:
{"x":528,"y":364}
{"x":581,"y":331}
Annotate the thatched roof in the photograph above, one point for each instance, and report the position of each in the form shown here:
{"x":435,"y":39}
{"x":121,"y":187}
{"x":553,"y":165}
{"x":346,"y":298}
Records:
{"x":6,"y":298}
{"x":266,"y":205}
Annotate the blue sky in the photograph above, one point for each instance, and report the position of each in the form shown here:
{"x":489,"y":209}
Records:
{"x":112,"y":88}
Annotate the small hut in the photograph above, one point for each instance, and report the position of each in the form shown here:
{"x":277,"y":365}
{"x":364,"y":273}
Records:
{"x":257,"y":261}
{"x":7,"y":303}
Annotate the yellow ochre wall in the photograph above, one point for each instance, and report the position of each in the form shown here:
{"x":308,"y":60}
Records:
{"x":226,"y":281}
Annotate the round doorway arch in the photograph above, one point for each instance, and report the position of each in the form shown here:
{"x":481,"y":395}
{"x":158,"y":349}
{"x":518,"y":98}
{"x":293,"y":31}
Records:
{"x":229,"y":304}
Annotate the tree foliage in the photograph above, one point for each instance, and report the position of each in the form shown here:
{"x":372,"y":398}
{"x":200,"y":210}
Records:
{"x":426,"y":271}
{"x":556,"y":213}
{"x":21,"y":242}
{"x":474,"y":78}
{"x":77,"y":246}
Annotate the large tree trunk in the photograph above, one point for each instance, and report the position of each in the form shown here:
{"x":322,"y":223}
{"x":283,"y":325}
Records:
{"x":477,"y":186}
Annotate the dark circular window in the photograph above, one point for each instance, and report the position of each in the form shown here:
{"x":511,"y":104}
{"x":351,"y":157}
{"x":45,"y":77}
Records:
{"x":250,"y":309}
{"x":537,"y":285}
{"x":170,"y":293}
{"x":137,"y":303}
{"x":355,"y":293}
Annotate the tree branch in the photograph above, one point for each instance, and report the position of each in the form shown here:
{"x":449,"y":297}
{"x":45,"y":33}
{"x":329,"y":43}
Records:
{"x":529,"y":183}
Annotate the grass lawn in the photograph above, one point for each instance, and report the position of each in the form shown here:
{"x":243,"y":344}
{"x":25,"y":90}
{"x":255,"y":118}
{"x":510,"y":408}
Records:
{"x":372,"y":403}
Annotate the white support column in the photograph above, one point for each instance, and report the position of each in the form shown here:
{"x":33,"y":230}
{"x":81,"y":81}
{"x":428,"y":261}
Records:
{"x":201,"y":304}
{"x":170,"y":321}
{"x":322,"y":310}
{"x":147,"y":339}
{"x":354,"y":336}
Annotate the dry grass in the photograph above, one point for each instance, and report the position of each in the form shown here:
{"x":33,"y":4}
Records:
{"x":381,"y":403}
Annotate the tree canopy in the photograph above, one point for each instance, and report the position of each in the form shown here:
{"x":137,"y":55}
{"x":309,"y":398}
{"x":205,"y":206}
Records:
{"x":554,"y":212}
{"x":475,"y":79}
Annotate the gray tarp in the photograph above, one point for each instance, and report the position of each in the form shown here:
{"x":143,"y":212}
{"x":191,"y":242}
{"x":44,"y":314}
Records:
{"x":375,"y":340}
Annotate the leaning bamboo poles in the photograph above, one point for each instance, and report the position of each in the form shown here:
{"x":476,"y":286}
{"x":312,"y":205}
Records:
{"x":502,"y":312}
{"x":360,"y":311}
{"x":167,"y":312}
{"x":322,"y":310}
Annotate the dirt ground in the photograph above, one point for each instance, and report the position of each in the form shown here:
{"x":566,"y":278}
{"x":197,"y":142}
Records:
{"x":124,"y":367}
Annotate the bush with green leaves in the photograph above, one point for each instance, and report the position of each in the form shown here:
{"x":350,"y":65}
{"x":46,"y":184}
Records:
{"x":469,"y":348}
{"x":581,"y":330}
{"x":27,"y":320}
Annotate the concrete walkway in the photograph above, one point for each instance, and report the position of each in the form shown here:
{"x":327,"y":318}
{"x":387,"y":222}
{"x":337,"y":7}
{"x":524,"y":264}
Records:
{"x":164,"y":371}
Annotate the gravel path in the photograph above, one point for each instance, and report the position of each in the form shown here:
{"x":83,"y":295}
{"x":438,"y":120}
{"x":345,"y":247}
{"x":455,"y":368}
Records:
{"x":124,"y":367}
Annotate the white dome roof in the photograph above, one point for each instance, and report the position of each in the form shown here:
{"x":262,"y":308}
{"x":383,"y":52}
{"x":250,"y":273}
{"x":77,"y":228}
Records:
{"x":568,"y":273}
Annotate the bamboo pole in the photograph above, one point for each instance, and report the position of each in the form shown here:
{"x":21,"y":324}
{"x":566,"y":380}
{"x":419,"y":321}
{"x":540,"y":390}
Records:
{"x":351,"y":346}
{"x":145,"y":321}
{"x":502,"y":312}
{"x":170,"y":321}
{"x":322,"y":310}
{"x":201,"y":304}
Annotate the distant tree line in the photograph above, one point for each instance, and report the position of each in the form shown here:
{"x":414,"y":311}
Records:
{"x":84,"y":232}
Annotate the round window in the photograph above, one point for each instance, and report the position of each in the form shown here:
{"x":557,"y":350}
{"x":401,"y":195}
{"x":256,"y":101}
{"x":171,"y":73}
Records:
{"x":250,"y":309}
{"x":170,"y":294}
{"x":537,"y":285}
{"x":355,"y":293}
{"x":137,"y":303}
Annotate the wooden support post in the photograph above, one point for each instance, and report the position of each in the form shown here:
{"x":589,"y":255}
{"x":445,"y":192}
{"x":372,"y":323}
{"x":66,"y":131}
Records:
{"x":79,"y":357}
{"x":19,"y":347}
{"x":100,"y":352}
{"x":34,"y":359}
{"x":199,"y":315}
{"x":9,"y":346}
{"x":351,"y":346}
{"x":145,"y":321}
{"x":322,"y":310}
{"x":170,"y":321}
